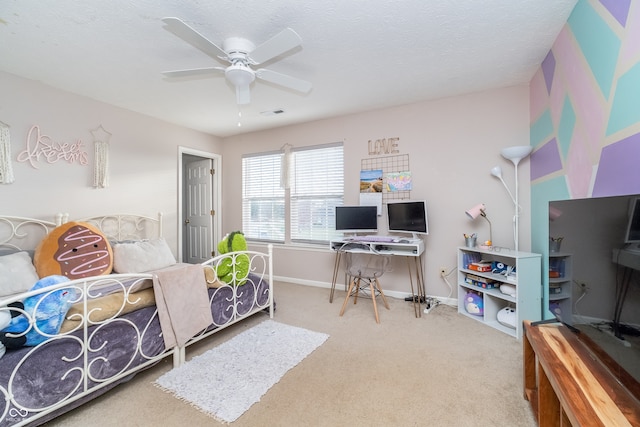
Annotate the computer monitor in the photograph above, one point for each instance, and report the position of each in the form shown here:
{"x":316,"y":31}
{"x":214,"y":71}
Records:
{"x":632,"y":232}
{"x":355,"y":219}
{"x":408,"y":217}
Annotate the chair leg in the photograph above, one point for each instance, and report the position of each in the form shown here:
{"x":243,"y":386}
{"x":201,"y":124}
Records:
{"x":384,"y":298}
{"x":355,"y":298}
{"x":346,"y":299}
{"x":373,"y":298}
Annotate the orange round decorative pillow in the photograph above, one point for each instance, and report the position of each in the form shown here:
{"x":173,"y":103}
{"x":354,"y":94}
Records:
{"x":74,"y":250}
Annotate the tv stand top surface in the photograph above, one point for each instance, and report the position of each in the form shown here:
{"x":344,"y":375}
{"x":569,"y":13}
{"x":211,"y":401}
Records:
{"x":586,"y":390}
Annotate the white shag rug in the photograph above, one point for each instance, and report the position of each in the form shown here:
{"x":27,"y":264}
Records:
{"x":225,"y":381}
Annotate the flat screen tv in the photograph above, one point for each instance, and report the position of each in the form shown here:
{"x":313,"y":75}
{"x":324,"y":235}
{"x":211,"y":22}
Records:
{"x":408,"y":216}
{"x":354,"y":219}
{"x":598,"y":234}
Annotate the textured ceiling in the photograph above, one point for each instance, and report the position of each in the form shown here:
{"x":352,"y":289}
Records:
{"x":359,"y":55}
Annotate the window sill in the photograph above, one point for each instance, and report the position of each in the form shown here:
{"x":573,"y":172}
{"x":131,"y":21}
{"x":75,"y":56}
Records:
{"x":292,"y":246}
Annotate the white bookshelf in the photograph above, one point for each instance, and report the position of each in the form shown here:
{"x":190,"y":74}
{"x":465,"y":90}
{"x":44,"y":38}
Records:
{"x":528,"y":285}
{"x":560,"y":285}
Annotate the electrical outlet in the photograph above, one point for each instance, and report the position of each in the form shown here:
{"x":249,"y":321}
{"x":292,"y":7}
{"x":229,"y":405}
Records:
{"x":583,"y":286}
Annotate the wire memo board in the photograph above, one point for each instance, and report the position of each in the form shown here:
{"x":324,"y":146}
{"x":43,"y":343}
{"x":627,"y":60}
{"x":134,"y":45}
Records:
{"x":388,"y":164}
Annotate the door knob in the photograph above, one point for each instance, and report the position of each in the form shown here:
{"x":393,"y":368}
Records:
{"x":186,"y":221}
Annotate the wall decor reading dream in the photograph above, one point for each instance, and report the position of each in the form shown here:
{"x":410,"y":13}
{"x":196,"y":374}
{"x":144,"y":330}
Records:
{"x":43,"y":147}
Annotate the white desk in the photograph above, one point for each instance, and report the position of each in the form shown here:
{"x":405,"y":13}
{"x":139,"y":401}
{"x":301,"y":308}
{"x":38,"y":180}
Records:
{"x":627,"y":258}
{"x":412,"y":249}
{"x":630,"y":261}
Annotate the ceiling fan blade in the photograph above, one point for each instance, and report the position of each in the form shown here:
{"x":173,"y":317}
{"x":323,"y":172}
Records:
{"x":243,"y":95}
{"x":194,"y":72}
{"x":284,"y":80}
{"x":285,"y":40}
{"x":194,"y":38}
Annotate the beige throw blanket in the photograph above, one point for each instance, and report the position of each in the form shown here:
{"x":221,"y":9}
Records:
{"x":183,"y":302}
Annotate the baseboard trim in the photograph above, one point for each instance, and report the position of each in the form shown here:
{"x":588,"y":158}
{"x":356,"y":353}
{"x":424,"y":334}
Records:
{"x":393,"y":294}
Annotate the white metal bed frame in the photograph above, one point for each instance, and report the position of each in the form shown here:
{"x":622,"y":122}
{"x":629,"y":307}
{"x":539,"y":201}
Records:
{"x":15,"y":232}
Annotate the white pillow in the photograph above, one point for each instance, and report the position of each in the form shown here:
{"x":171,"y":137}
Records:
{"x":17,"y":273}
{"x":141,"y":256}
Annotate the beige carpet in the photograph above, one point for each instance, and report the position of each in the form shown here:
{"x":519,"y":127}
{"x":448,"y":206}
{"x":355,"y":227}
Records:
{"x":440,"y":370}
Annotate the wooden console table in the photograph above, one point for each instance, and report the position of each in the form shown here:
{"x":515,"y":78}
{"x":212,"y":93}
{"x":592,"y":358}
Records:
{"x":567,"y":386}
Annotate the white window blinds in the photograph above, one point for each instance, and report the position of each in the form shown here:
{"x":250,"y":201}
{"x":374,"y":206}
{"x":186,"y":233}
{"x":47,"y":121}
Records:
{"x":317,"y":186}
{"x":262,"y":198}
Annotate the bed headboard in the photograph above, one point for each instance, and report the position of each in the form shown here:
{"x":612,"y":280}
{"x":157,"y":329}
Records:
{"x":119,"y":227}
{"x":23,"y":234}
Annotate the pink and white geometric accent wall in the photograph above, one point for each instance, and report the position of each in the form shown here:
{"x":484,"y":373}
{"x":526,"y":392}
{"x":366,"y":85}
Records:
{"x":585,"y":105}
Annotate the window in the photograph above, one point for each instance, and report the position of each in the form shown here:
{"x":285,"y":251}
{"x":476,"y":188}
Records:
{"x":316,"y":178}
{"x":317,"y":186}
{"x":262,"y":197}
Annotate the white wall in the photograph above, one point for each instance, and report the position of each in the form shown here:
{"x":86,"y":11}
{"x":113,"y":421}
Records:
{"x":143,"y":157}
{"x":452,"y":144}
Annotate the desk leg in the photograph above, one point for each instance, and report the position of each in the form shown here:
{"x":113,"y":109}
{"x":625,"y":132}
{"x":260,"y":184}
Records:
{"x":621,"y":293}
{"x":420,"y":280}
{"x":336,"y":268}
{"x":417,"y":299}
{"x":413,"y":293}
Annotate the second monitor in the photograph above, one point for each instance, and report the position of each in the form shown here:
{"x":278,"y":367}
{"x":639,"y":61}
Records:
{"x":408,"y":217}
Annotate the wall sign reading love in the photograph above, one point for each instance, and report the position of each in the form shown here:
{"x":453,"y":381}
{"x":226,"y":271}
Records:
{"x":42,"y":147}
{"x":383,"y":146}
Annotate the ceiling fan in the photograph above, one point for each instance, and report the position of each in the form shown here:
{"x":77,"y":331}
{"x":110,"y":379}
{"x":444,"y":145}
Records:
{"x":241,"y":54}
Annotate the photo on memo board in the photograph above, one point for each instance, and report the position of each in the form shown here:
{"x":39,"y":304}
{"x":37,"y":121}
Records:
{"x":371,"y":181}
{"x":371,"y":188}
{"x":399,"y":181}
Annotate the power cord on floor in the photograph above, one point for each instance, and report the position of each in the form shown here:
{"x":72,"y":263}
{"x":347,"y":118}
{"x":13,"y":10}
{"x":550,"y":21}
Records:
{"x":444,"y":274}
{"x":431,"y":302}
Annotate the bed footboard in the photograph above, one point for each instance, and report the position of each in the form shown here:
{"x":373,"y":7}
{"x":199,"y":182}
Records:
{"x":110,"y":332}
{"x":249,"y":291}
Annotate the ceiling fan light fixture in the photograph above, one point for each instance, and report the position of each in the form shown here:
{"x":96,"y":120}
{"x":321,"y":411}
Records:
{"x":241,"y":54}
{"x":240,"y":75}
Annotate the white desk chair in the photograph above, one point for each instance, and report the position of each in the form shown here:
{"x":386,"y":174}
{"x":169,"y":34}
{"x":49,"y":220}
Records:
{"x":367,"y":268}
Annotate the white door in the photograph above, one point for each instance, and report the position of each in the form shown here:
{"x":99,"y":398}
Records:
{"x":198,"y":215}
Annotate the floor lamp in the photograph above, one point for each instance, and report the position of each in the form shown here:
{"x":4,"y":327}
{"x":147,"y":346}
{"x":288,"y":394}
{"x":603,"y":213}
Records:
{"x":515,"y":154}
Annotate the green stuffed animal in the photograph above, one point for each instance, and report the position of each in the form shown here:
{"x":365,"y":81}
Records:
{"x":234,"y":269}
